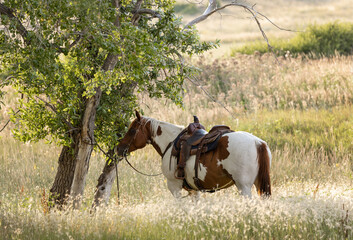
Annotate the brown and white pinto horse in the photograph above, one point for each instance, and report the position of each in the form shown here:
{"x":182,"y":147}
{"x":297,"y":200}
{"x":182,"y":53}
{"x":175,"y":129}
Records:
{"x":240,"y":158}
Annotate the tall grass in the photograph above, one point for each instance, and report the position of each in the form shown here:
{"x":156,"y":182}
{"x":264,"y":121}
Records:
{"x":252,"y":83}
{"x":310,"y":136}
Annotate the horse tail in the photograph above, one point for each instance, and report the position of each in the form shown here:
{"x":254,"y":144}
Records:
{"x":263,"y":181}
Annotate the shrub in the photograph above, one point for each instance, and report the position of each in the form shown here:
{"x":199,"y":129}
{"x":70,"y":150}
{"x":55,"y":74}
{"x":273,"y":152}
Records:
{"x":316,"y":41}
{"x":187,"y":9}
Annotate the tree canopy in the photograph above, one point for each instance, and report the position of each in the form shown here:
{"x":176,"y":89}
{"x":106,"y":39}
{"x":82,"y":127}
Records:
{"x":53,"y":54}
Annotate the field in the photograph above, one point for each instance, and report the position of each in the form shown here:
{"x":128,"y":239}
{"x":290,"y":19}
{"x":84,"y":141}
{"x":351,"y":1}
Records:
{"x":302,"y":108}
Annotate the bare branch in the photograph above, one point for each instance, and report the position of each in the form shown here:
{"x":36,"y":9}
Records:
{"x":264,"y":35}
{"x":212,"y":4}
{"x":8,"y":121}
{"x":211,"y":9}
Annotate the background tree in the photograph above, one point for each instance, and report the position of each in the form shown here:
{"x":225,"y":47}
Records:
{"x":78,"y":66}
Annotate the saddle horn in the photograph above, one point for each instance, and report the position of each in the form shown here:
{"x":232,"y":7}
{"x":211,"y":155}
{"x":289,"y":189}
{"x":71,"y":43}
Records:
{"x":196,"y":120}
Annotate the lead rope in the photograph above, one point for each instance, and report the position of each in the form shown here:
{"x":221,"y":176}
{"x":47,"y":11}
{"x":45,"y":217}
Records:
{"x":117,"y":180}
{"x":145,"y":174}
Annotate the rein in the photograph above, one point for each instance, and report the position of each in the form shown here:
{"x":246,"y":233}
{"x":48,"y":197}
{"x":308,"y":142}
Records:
{"x":145,"y":174}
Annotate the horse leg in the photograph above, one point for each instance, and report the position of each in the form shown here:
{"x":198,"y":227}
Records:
{"x":195,"y":196}
{"x":175,"y":186}
{"x":244,"y":189}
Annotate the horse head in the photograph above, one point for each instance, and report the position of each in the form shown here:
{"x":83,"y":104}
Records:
{"x":137,"y":136}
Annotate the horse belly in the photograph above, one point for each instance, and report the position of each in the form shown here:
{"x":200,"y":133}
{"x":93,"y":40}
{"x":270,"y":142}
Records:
{"x":210,"y":172}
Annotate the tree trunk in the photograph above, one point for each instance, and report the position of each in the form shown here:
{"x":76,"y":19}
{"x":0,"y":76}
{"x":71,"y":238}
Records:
{"x":85,"y":142}
{"x":60,"y":190}
{"x":85,"y":147}
{"x":105,"y":183}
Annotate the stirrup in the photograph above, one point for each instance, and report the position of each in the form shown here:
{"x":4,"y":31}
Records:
{"x":176,"y":175}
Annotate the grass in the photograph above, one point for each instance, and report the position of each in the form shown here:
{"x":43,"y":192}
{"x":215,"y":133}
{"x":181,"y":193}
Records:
{"x":251,"y":83}
{"x":291,"y":214}
{"x":311,"y":169}
{"x":312,"y":190}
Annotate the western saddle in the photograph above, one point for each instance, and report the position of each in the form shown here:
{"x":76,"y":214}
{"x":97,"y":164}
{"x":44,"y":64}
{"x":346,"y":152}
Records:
{"x":195,"y":140}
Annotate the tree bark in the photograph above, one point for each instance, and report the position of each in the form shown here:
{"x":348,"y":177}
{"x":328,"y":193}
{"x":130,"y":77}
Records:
{"x":105,"y":183}
{"x":60,"y":189}
{"x":85,"y":146}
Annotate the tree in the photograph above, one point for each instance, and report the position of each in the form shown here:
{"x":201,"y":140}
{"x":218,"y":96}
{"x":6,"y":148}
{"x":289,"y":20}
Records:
{"x":79,"y":64}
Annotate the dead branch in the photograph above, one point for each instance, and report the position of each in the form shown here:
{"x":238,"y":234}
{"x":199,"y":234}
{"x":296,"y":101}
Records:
{"x":212,"y":8}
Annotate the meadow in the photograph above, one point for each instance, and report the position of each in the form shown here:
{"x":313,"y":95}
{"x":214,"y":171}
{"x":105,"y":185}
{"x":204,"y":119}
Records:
{"x":302,"y":107}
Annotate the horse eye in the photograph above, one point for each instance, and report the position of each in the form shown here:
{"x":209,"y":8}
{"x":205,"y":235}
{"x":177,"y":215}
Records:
{"x":132,"y":131}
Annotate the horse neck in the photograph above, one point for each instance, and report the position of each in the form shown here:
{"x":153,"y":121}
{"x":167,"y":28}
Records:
{"x":163,"y":133}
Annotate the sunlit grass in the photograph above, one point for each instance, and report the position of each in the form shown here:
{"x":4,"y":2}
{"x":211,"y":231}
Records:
{"x":312,"y":193}
{"x":296,"y":210}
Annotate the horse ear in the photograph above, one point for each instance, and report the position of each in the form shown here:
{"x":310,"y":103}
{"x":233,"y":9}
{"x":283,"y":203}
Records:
{"x":138,"y":116}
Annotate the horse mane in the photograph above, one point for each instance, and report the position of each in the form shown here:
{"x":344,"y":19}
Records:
{"x":156,"y":123}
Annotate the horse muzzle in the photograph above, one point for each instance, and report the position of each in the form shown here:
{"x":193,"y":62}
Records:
{"x":122,"y":150}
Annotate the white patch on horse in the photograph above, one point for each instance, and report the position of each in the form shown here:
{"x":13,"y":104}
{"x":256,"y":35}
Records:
{"x":169,"y":131}
{"x":190,"y":171}
{"x":242,"y":163}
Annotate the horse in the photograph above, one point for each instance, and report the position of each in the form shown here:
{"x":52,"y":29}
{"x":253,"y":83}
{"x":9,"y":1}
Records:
{"x":240,"y":158}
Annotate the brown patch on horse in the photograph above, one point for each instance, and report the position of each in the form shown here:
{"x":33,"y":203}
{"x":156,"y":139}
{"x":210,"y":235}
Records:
{"x":263,"y":181}
{"x":216,"y":177}
{"x":159,"y":131}
{"x":148,"y":130}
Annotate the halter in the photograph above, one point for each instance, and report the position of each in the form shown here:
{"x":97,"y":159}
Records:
{"x":148,"y":141}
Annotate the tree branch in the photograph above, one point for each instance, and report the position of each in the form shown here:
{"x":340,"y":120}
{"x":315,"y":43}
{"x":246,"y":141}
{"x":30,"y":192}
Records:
{"x":8,"y":121}
{"x":211,"y":9}
{"x":56,"y":112}
{"x":136,"y":17}
{"x":147,"y":11}
{"x":19,"y":26}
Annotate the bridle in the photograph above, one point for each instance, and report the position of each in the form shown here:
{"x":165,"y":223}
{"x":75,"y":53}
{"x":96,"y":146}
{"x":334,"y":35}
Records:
{"x":148,"y":141}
